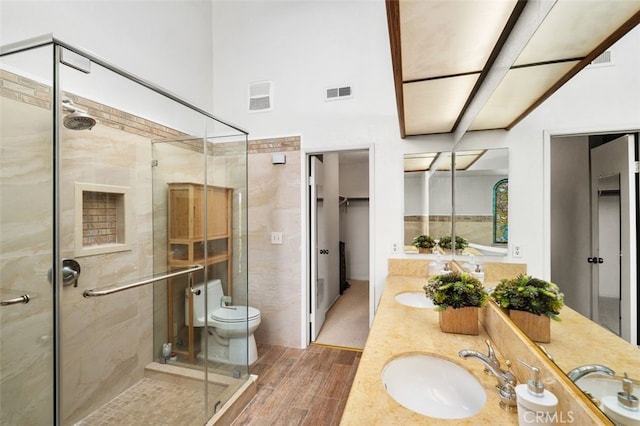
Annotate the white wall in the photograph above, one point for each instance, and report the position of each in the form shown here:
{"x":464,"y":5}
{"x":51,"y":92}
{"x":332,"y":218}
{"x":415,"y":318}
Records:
{"x":474,"y":193}
{"x":354,"y":218}
{"x":168,"y":43}
{"x":418,"y":203}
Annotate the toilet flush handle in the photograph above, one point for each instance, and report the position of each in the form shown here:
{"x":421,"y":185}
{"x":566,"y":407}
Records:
{"x":190,"y":284}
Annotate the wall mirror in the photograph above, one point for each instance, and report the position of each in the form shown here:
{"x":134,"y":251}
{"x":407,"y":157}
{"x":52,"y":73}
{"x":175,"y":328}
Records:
{"x":593,"y":200}
{"x":469,"y":199}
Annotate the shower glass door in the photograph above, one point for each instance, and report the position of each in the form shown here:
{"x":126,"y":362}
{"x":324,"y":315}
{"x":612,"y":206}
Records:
{"x":123,"y":352}
{"x":26,"y":238}
{"x":84,"y":265}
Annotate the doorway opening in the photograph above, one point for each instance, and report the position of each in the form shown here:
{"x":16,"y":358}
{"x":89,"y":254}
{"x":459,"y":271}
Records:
{"x":339,"y":229}
{"x":593,"y":216}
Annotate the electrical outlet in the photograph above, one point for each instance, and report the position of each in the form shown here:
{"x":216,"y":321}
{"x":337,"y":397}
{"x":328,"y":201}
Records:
{"x":276,"y":238}
{"x":394,"y":248}
{"x":517,"y":250}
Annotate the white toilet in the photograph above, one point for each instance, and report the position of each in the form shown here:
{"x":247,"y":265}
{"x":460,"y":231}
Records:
{"x":227,"y":326}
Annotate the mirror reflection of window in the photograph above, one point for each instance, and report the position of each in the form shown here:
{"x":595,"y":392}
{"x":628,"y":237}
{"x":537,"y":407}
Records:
{"x":501,"y":212}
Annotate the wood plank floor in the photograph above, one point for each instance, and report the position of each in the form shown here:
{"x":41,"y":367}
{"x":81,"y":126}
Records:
{"x":300,"y":386}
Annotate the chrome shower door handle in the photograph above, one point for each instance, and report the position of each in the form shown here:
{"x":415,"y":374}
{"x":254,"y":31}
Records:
{"x":21,"y":299}
{"x":70,"y":272}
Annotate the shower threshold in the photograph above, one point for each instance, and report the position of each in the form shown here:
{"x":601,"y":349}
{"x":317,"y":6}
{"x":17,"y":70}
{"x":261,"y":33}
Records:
{"x":172,"y":395}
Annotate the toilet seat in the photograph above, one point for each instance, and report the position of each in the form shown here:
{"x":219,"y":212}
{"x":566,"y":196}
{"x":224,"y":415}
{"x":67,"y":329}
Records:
{"x":234,"y":314}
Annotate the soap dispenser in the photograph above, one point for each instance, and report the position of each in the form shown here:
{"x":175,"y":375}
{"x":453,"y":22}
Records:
{"x":536,"y":405}
{"x":435,"y":267}
{"x":623,"y":409}
{"x":478,"y":273}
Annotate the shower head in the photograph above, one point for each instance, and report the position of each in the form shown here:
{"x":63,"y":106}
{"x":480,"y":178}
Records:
{"x":78,"y":119}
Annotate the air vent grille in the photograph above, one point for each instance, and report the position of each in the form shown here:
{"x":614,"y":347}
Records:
{"x":261,"y":96}
{"x":335,"y":93}
{"x":603,"y":59}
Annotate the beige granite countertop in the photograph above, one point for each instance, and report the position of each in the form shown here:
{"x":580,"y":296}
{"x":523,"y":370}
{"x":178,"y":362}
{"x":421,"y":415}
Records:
{"x":399,"y":329}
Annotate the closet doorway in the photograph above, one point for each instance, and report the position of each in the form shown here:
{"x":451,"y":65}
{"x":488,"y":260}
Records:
{"x":339,"y":246}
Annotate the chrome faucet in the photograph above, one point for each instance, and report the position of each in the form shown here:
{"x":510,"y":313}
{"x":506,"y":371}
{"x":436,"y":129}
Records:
{"x":506,"y":380}
{"x":584,"y":370}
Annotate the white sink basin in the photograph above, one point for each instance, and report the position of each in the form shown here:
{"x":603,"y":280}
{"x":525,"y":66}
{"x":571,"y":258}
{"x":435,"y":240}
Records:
{"x":599,"y":386}
{"x":415,"y":299}
{"x":433,"y":386}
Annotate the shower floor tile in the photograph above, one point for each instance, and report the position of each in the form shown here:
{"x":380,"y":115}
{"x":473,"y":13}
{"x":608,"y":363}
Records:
{"x":152,"y":402}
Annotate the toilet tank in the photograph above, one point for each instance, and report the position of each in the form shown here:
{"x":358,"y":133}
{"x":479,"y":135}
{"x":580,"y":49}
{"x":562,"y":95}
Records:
{"x":214,"y":289}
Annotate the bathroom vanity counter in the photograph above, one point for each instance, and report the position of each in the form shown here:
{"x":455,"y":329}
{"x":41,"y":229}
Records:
{"x":399,"y":329}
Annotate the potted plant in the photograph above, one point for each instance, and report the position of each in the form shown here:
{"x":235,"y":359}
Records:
{"x":424,"y":243}
{"x":461,"y":243}
{"x":458,"y":297}
{"x":531,"y":302}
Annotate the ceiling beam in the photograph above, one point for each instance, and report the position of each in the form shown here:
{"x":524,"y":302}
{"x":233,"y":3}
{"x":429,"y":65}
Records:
{"x":515,"y":15}
{"x":534,"y":12}
{"x":393,"y":24}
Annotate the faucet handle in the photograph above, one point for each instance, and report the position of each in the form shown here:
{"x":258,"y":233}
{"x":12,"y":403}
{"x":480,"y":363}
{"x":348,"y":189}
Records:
{"x":492,"y":356}
{"x":626,"y":398}
{"x":491,"y":353}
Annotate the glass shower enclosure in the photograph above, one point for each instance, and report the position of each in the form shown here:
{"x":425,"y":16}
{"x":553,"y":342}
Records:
{"x":118,"y":200}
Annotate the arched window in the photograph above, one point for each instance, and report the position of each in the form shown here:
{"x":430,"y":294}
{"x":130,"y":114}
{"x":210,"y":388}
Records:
{"x":501,"y":211}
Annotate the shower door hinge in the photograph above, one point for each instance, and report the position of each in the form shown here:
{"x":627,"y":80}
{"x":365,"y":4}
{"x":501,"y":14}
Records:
{"x":636,"y":166}
{"x":310,"y":180}
{"x":154,"y":163}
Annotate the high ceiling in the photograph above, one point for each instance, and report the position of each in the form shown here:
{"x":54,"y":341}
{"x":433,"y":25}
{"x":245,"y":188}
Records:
{"x":463,"y":65}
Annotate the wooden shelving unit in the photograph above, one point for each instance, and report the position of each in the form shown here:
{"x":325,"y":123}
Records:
{"x":189,"y":244}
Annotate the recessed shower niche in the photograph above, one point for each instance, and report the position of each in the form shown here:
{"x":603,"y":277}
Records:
{"x":101,"y":219}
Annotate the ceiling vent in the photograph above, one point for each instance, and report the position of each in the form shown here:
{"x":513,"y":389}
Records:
{"x":261,"y":96}
{"x":335,"y":93}
{"x":603,"y":59}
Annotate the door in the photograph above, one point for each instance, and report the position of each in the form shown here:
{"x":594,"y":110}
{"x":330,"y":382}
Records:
{"x":26,"y":241}
{"x":318,"y":254}
{"x":607,"y":243}
{"x":324,"y":237}
{"x":613,"y":230}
